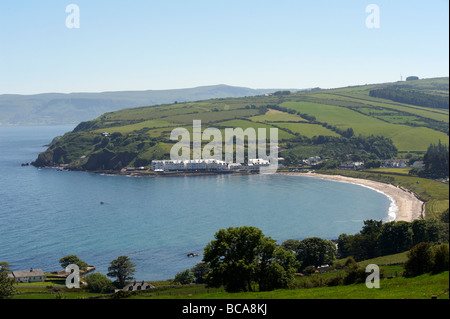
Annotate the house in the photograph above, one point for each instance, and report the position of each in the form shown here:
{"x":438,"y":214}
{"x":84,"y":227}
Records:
{"x":158,"y":166}
{"x":27,"y":276}
{"x":351,"y":165}
{"x":323,"y":268}
{"x":234,"y":166}
{"x":418,"y":164}
{"x":394,"y":163}
{"x":216,"y":165}
{"x":258,"y":162}
{"x":138,"y":286}
{"x":313,"y":160}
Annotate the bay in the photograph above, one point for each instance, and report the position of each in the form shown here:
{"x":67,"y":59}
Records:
{"x":47,"y":214}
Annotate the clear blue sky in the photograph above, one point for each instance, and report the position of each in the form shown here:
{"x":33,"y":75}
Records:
{"x":149,"y":44}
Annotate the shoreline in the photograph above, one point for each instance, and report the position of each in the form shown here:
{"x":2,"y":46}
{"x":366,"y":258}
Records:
{"x":409,"y":207}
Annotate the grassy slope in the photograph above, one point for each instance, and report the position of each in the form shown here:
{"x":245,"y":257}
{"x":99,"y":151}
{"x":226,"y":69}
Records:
{"x":412,"y":128}
{"x":398,"y":287}
{"x":345,"y":107}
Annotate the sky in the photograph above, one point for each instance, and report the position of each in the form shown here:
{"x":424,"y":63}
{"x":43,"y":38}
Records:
{"x":154,"y":44}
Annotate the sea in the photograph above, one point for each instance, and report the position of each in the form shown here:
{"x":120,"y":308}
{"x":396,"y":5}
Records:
{"x":46,"y":214}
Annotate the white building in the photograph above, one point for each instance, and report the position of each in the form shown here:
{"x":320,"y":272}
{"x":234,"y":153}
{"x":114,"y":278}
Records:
{"x":234,"y":166}
{"x":195,"y":165}
{"x":258,"y":162}
{"x":216,"y":165}
{"x":27,"y":276}
{"x":188,"y":165}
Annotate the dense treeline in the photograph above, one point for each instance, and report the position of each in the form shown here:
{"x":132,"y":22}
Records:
{"x":378,"y":239}
{"x":412,"y":97}
{"x":436,"y":162}
{"x":244,"y":259}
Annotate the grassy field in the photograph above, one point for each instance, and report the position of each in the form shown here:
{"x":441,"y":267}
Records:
{"x":392,"y":286}
{"x":306,"y":129}
{"x":310,"y":123}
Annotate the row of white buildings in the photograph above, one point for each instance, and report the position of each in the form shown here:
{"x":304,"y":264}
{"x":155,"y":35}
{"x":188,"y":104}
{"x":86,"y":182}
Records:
{"x":204,"y":165}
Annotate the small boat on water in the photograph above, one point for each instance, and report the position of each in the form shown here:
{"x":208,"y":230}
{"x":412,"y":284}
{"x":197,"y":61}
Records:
{"x":192,"y":255}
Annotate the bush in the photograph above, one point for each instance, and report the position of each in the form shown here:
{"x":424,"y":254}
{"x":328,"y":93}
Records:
{"x":441,"y":258}
{"x":420,"y":260}
{"x":184,"y":278}
{"x":334,"y":281}
{"x":98,"y":282}
{"x":309,"y":270}
{"x":355,"y":275}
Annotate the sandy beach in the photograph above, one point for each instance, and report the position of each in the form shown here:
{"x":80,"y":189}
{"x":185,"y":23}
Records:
{"x":409,"y":207}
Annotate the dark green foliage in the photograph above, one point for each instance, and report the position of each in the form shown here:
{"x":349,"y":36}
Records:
{"x":7,"y":288}
{"x":436,"y":161}
{"x":199,"y":272}
{"x":184,"y":277}
{"x":420,"y":260}
{"x":412,"y":97}
{"x":441,"y":258}
{"x":395,"y":237}
{"x":243,"y":255}
{"x":98,"y":282}
{"x":123,"y":269}
{"x":316,"y":251}
{"x":377,"y":239}
{"x":73,"y":259}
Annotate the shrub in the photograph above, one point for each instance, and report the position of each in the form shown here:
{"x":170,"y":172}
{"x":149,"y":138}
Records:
{"x":355,"y":275}
{"x":98,"y":282}
{"x":184,"y":277}
{"x":441,"y":258}
{"x":420,"y":260}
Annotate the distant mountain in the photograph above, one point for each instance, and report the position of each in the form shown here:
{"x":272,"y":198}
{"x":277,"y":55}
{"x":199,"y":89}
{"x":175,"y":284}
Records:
{"x":72,"y":108}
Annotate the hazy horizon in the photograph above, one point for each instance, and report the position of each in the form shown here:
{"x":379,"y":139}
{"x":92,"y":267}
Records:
{"x":143,"y":45}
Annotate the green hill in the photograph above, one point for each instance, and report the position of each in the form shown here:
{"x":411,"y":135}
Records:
{"x":331,"y":123}
{"x":72,"y":108}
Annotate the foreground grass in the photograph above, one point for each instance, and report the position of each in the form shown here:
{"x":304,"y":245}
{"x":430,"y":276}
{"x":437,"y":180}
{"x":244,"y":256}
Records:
{"x":421,"y":287}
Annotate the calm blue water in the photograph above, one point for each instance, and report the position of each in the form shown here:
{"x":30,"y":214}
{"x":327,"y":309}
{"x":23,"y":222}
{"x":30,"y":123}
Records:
{"x":46,"y":214}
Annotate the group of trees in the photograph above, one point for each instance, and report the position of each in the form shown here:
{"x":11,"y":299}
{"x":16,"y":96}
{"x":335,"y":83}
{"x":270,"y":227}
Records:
{"x":412,"y":97}
{"x":427,"y":257}
{"x":242,"y":258}
{"x":239,"y":257}
{"x":122,"y":268}
{"x":436,"y":162}
{"x":378,"y":239}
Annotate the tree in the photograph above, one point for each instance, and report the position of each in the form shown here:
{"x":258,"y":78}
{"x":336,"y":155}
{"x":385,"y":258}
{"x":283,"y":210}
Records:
{"x":425,"y":231}
{"x":316,"y":251}
{"x":98,"y":282}
{"x":395,"y":237}
{"x":420,"y":260}
{"x":291,"y":244}
{"x":441,"y":258}
{"x":240,"y":256}
{"x":123,"y":269}
{"x":72,"y":259}
{"x":199,"y":272}
{"x":6,"y":283}
{"x":184,"y":277}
